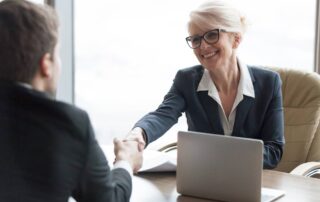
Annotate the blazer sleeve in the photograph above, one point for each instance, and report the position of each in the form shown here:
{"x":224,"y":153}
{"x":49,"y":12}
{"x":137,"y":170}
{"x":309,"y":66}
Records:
{"x":156,"y":123}
{"x":273,"y":128}
{"x":98,"y":183}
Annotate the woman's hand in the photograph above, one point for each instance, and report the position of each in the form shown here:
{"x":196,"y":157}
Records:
{"x":128,"y":151}
{"x":137,"y":134}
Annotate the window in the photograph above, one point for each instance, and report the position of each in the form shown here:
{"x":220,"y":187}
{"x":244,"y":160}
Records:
{"x":127,"y":52}
{"x":282,"y":33}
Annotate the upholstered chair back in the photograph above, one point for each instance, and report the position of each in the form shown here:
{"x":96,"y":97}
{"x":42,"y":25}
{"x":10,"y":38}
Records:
{"x":301,"y":103}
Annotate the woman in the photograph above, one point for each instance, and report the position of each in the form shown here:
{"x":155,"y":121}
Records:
{"x":222,"y":95}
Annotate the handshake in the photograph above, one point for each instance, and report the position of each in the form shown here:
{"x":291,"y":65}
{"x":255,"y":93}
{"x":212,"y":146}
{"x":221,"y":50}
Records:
{"x":130,"y":149}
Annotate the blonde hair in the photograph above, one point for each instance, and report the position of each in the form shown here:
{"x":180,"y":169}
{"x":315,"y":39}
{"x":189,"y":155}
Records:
{"x":218,"y":14}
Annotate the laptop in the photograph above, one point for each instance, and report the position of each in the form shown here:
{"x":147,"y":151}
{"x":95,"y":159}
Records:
{"x":220,"y":167}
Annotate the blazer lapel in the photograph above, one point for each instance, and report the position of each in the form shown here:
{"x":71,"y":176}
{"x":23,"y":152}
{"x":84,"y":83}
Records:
{"x":242,"y":112}
{"x":243,"y":109}
{"x":210,"y":106}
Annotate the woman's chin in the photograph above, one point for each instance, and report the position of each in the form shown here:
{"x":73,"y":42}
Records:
{"x":210,"y":64}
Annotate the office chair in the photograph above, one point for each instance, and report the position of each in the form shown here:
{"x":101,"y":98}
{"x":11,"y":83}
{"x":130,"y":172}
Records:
{"x":301,"y":103}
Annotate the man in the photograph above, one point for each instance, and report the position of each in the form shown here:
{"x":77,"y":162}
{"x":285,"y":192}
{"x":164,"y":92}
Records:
{"x":48,"y":151}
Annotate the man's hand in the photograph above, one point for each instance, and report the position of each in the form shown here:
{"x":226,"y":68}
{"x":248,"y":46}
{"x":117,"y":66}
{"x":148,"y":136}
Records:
{"x":128,"y":151}
{"x":137,"y":135}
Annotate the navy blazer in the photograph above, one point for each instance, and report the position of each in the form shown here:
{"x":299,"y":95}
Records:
{"x":48,"y":152}
{"x":259,"y":118}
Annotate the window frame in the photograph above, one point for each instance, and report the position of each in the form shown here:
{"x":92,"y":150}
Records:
{"x":65,"y":10}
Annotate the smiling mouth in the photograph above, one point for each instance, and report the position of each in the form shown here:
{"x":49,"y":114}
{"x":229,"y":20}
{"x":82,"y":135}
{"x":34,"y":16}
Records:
{"x":209,"y":55}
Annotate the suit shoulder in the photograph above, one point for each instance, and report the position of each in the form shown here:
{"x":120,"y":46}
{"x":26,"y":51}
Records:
{"x":69,"y":108}
{"x":261,"y":72}
{"x":72,"y":116}
{"x":188,"y":76}
{"x":191,"y":70}
{"x":265,"y":80}
{"x":190,"y":73}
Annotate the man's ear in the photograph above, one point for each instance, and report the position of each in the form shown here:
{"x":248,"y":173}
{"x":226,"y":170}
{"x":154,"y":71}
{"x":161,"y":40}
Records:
{"x":45,"y":66}
{"x":237,"y":40}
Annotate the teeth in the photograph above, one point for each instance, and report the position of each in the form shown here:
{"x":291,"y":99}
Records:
{"x":209,"y":55}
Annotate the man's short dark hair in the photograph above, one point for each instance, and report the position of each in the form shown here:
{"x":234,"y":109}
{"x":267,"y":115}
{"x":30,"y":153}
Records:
{"x":27,"y":32}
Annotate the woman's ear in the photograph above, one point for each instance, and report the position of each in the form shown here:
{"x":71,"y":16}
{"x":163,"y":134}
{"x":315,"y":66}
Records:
{"x":237,"y":40}
{"x":45,"y":65}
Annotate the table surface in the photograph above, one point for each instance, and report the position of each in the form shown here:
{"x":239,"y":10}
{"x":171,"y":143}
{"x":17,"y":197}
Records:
{"x":161,"y":187}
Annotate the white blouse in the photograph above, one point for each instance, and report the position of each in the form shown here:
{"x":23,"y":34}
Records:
{"x":245,"y":87}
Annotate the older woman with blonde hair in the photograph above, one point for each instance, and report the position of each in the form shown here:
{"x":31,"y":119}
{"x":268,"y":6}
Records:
{"x":222,"y":95}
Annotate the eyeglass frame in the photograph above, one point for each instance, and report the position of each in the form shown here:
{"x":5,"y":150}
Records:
{"x":202,"y":37}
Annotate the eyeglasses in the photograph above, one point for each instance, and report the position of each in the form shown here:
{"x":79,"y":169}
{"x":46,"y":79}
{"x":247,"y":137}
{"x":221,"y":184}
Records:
{"x":210,"y":37}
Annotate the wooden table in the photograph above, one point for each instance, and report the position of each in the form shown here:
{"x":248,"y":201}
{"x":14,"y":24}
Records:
{"x":161,"y":187}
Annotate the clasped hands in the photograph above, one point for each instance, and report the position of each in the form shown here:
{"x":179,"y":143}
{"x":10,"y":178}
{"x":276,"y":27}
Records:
{"x":130,"y":148}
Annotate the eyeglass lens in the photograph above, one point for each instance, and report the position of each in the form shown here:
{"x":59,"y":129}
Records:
{"x":210,"y":37}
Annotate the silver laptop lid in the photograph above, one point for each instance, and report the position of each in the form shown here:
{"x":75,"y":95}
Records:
{"x":219,"y":167}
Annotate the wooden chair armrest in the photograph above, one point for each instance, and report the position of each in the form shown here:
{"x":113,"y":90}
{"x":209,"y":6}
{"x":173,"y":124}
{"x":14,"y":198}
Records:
{"x":310,"y":169}
{"x":168,"y":147}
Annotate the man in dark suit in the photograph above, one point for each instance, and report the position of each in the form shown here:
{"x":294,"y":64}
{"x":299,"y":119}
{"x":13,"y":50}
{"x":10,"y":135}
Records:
{"x":48,"y":151}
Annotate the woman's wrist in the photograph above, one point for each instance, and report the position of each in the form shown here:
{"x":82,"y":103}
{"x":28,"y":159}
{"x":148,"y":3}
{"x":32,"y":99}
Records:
{"x":140,"y":131}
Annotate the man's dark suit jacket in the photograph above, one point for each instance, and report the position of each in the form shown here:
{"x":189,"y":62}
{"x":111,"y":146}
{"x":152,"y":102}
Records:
{"x":48,"y":152}
{"x":260,"y":117}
